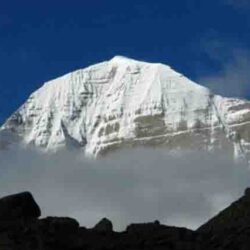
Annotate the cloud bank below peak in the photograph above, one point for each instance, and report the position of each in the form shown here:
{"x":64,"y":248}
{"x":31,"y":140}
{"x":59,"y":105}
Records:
{"x":129,"y":186}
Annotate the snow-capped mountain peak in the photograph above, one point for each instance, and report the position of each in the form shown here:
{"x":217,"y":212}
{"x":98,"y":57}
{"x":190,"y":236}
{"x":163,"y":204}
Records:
{"x":123,"y":103}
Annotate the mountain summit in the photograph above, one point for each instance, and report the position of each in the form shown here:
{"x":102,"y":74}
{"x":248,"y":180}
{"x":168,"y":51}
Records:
{"x":123,"y":103}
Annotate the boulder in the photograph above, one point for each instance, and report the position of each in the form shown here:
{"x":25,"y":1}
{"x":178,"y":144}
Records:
{"x":19,"y":206}
{"x":104,"y":225}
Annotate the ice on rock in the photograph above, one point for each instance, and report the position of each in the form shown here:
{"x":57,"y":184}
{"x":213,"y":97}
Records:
{"x":127,"y":103}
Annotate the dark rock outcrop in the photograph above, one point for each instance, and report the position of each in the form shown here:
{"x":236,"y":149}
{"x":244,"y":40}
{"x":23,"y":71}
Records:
{"x":230,"y":229}
{"x":19,"y":206}
{"x":58,"y":233}
{"x":104,"y":226}
{"x":21,"y":229}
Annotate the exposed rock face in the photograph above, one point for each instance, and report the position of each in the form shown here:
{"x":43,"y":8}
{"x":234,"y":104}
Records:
{"x":125,"y":103}
{"x":227,"y":231}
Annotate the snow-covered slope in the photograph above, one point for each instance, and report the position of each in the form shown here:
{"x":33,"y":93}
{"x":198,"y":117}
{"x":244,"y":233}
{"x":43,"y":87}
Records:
{"x":124,"y":103}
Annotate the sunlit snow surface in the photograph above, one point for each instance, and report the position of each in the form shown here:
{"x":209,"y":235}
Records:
{"x":126,"y":103}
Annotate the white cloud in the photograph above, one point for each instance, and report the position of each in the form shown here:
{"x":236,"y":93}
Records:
{"x":129,"y":186}
{"x":233,"y":79}
{"x":239,"y":4}
{"x":233,"y":62}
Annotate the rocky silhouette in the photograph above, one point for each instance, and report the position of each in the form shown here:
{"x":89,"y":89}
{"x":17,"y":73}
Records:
{"x":18,"y":206}
{"x":22,"y":229}
{"x":105,"y":225}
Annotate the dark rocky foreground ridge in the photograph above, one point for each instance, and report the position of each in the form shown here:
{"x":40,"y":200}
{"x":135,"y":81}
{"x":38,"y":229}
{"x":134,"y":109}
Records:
{"x":21,"y":229}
